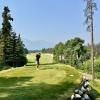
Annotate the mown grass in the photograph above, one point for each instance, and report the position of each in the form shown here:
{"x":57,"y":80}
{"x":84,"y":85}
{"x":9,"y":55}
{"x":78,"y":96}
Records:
{"x":50,"y":82}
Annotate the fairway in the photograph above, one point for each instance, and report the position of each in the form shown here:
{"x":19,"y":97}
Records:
{"x":50,"y":82}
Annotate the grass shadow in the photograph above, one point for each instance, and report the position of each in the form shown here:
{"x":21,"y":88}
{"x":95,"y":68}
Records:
{"x":12,"y":81}
{"x":40,"y":91}
{"x":95,"y":93}
{"x":37,"y":91}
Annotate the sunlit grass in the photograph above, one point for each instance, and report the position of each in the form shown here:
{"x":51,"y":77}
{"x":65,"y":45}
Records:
{"x":45,"y":58}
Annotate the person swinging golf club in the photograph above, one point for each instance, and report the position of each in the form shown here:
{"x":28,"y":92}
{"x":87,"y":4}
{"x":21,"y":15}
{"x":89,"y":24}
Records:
{"x":38,"y":59}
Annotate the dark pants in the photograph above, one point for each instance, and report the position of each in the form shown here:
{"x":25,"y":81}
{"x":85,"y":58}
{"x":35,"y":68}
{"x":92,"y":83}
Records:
{"x":38,"y":63}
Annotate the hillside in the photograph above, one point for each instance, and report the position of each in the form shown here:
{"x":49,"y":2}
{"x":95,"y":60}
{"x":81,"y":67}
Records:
{"x":50,"y":82}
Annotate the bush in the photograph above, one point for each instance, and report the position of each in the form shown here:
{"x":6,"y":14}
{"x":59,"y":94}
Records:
{"x":87,"y":67}
{"x":21,"y":61}
{"x":17,"y":62}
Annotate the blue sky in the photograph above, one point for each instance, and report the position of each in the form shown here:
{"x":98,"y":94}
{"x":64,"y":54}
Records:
{"x":51,"y":20}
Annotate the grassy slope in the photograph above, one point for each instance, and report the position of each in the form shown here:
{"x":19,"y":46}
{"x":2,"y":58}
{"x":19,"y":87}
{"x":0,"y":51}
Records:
{"x":50,"y":82}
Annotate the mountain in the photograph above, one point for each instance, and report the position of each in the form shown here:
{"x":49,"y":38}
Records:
{"x":37,"y":45}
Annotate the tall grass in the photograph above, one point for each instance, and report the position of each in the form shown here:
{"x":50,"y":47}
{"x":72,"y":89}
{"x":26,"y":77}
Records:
{"x":87,"y":67}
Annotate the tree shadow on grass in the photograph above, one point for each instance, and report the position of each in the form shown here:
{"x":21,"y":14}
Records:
{"x":39,"y":91}
{"x":95,"y":93}
{"x":13,"y":81}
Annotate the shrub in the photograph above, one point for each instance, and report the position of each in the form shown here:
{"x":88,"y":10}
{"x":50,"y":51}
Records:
{"x":18,"y":62}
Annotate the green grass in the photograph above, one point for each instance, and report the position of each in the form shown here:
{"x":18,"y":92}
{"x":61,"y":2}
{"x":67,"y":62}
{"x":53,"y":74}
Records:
{"x":50,"y":82}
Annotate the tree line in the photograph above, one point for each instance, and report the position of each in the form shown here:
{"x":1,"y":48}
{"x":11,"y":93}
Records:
{"x":12,"y":49}
{"x":72,"y":52}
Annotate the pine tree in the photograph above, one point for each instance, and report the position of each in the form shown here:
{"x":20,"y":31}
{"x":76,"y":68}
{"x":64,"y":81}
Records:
{"x":6,"y":33}
{"x":11,"y":46}
{"x":20,"y":54}
{"x":11,"y":52}
{"x":16,"y":56}
{"x":14,"y":49}
{"x":1,"y":48}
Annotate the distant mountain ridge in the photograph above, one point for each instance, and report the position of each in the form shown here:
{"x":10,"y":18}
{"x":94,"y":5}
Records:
{"x":37,"y":45}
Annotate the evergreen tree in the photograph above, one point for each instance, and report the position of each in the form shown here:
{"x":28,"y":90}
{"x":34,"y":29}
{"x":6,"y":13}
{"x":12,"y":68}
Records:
{"x":20,"y":53}
{"x":1,"y":48}
{"x":6,"y":33}
{"x":10,"y":60}
{"x":11,"y":47}
{"x":16,"y":56}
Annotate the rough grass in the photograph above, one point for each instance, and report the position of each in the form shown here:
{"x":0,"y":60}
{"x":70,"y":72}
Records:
{"x":87,"y":67}
{"x":49,"y":82}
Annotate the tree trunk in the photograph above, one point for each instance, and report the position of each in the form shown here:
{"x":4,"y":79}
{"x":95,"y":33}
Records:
{"x":92,"y":44}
